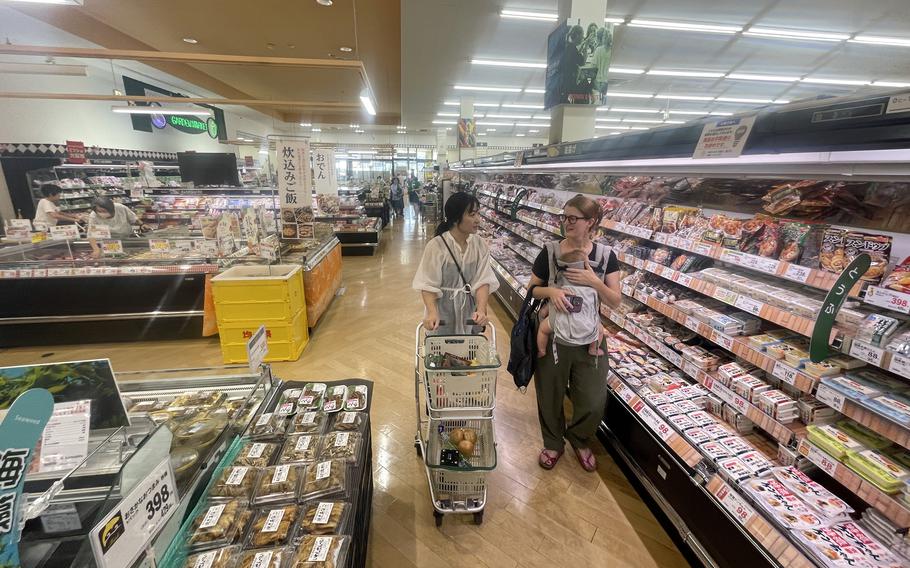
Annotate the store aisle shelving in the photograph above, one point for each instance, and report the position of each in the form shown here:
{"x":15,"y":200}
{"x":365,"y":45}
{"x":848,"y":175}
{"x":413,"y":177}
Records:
{"x":534,"y":518}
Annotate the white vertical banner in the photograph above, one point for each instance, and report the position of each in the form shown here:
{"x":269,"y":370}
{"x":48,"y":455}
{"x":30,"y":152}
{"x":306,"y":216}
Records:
{"x":295,"y":192}
{"x":324,"y":171}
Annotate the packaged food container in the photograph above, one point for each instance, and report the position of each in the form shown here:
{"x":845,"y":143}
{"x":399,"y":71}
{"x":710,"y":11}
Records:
{"x":309,"y":422}
{"x":220,"y":558}
{"x":183,"y":460}
{"x":322,"y":552}
{"x":256,"y":454}
{"x":219,"y":524}
{"x":325,"y":479}
{"x":278,"y":484}
{"x":270,"y":558}
{"x":268,"y":425}
{"x":833,"y":440}
{"x":326,"y":517}
{"x":357,"y":398}
{"x":349,"y":422}
{"x":335,"y":398}
{"x":343,"y":445}
{"x":235,"y":481}
{"x":302,"y":448}
{"x":273,"y":526}
{"x":311,"y":397}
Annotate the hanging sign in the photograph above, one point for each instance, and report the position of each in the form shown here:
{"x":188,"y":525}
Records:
{"x":75,"y":152}
{"x":295,"y":196}
{"x":124,"y":533}
{"x":64,"y":232}
{"x":324,"y":171}
{"x":824,"y":323}
{"x":19,"y":434}
{"x":724,"y":138}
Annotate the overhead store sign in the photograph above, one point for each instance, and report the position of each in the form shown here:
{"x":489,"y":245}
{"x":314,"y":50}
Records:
{"x":214,"y":125}
{"x":724,"y":138}
{"x":192,"y":125}
{"x":324,"y":171}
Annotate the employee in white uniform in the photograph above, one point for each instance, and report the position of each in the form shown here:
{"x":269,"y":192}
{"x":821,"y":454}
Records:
{"x":455,"y":278}
{"x":47,"y":213}
{"x":117,"y":216}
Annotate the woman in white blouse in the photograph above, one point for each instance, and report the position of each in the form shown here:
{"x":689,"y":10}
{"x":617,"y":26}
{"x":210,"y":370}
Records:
{"x":455,"y":278}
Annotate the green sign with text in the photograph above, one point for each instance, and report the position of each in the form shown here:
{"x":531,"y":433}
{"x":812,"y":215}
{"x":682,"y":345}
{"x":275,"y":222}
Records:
{"x":824,"y":323}
{"x":192,"y":125}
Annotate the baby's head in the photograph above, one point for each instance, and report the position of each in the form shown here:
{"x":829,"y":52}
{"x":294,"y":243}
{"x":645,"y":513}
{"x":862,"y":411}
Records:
{"x":573,"y":256}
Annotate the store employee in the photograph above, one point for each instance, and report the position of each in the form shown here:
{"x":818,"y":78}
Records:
{"x":47,"y":212}
{"x":118,"y":217}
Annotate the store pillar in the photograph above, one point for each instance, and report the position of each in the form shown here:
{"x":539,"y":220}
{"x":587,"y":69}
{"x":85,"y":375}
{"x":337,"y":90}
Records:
{"x":569,"y":122}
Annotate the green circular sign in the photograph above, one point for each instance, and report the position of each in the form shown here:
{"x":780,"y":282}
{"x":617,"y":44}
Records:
{"x":212,"y":127}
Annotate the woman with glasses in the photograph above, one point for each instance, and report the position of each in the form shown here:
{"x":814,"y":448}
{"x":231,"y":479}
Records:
{"x":572,"y":367}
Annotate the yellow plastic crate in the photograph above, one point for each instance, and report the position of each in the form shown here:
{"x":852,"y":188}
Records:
{"x":286,"y":340}
{"x":258,"y":294}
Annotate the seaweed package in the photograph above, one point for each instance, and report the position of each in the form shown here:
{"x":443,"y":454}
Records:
{"x":812,"y":246}
{"x":793,"y":237}
{"x":833,"y":257}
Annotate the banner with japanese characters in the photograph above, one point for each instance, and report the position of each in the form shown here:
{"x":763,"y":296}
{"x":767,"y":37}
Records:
{"x":295,"y":192}
{"x":19,"y":434}
{"x":324,"y":171}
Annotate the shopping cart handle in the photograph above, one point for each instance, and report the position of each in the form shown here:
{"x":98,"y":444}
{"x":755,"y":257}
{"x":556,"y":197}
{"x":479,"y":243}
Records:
{"x":468,"y":322}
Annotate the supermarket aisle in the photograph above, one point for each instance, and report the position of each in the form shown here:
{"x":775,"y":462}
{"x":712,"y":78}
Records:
{"x":534,"y":518}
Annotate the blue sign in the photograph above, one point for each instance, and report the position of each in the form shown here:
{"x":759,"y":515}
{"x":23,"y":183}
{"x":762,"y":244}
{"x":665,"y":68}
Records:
{"x":19,"y":434}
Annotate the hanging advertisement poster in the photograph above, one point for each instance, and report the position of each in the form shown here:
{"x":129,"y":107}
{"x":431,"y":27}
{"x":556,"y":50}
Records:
{"x":578,"y":59}
{"x":324,"y":171}
{"x":467,"y":133}
{"x":294,"y":188}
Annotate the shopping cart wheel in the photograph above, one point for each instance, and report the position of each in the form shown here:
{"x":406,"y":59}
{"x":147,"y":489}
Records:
{"x":478,"y":518}
{"x":438,"y":516}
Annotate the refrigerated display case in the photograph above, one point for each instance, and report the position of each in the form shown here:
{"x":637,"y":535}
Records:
{"x":727,"y":265}
{"x":191,"y":416}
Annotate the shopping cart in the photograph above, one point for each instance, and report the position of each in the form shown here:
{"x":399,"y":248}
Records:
{"x":455,"y":375}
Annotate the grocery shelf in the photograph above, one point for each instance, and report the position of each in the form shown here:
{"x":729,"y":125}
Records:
{"x":783,"y":433}
{"x":507,"y":276}
{"x":872,"y":420}
{"x":538,"y":206}
{"x":521,"y":234}
{"x":774,"y":541}
{"x":888,"y":505}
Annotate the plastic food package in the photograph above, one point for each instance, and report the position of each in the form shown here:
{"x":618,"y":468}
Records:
{"x":272,"y":558}
{"x":714,"y":450}
{"x":278,"y":483}
{"x":734,"y":469}
{"x":343,"y":445}
{"x":219,"y":525}
{"x":820,"y":499}
{"x":324,"y":479}
{"x":325,"y":517}
{"x":735,"y":445}
{"x":702,"y":418}
{"x":268,"y":425}
{"x":757,"y":462}
{"x":335,"y":398}
{"x":356,"y":398}
{"x":256,"y":454}
{"x":321,"y":552}
{"x":273,"y":526}
{"x":833,"y":440}
{"x":310,"y":422}
{"x":349,"y":422}
{"x":877,"y":329}
{"x":899,"y":279}
{"x":697,"y":436}
{"x":864,"y":435}
{"x":893,"y":405}
{"x":781,"y":504}
{"x":236,"y":481}
{"x":311,"y":397}
{"x":794,"y":237}
{"x":301,"y":448}
{"x":879,"y":470}
{"x":833,"y":257}
{"x":221,"y":558}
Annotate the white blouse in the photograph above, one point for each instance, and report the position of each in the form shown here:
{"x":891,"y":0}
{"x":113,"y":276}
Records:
{"x":437,"y":272}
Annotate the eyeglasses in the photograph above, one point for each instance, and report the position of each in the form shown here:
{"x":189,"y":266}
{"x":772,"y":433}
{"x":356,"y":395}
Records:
{"x":572,"y":219}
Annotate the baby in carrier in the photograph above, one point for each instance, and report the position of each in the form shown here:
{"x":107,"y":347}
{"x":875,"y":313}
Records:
{"x":582,"y":324}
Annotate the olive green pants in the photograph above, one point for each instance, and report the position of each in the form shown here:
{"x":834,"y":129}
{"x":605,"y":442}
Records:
{"x":585,"y":377}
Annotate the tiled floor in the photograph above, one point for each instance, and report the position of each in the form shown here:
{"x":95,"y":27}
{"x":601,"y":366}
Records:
{"x":534,"y":518}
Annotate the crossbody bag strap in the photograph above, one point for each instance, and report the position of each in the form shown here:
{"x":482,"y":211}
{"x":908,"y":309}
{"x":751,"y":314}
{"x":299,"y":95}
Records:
{"x":455,"y":260}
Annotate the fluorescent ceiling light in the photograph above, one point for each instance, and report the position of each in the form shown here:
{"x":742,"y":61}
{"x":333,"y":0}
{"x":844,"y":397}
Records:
{"x":643,"y":110}
{"x":519,"y":135}
{"x":159,"y":110}
{"x":794,"y":34}
{"x":354,"y":125}
{"x":607,"y":127}
{"x":316,"y":130}
{"x":674,"y":122}
{"x":494,"y":123}
{"x":668,"y":73}
{"x":516,"y":105}
{"x":305,"y":124}
{"x":771,"y":78}
{"x":533,"y":124}
{"x":715,"y":113}
{"x":890,"y":84}
{"x":626,"y":70}
{"x":780,"y":102}
{"x":684,"y":97}
{"x":629,"y":95}
{"x":503,"y":63}
{"x":535,"y":91}
{"x":359,"y":131}
{"x":881,"y":40}
{"x":524,"y":15}
{"x":361,"y":151}
{"x":639,"y":128}
{"x":367,"y":102}
{"x":481,"y":133}
{"x":444,"y":122}
{"x":741,"y":100}
{"x":607,"y":120}
{"x":43,"y":69}
{"x":850,"y":82}
{"x":691,"y":112}
{"x":452,"y":103}
{"x":609,"y":20}
{"x":684,"y":26}
{"x":456,"y":103}
{"x":491,"y":89}
{"x":455,"y":114}
{"x":263,"y":151}
{"x":642,"y":121}
{"x":515,"y":116}
{"x":533,"y":131}
{"x":191,"y":40}
{"x":491,"y":130}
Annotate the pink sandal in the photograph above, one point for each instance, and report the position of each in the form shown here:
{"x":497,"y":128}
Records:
{"x":548,"y":458}
{"x":586,"y":459}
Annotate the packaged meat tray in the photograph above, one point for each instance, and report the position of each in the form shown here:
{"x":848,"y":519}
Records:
{"x":824,"y":502}
{"x":311,"y":397}
{"x":278,"y":483}
{"x":335,"y":399}
{"x":235,"y":481}
{"x":356,"y":398}
{"x":326,"y":517}
{"x":271,"y":558}
{"x":303,"y":448}
{"x":349,"y":422}
{"x":782,"y":504}
{"x":342,"y":445}
{"x":273,"y":526}
{"x":325,"y":479}
{"x":321,"y":552}
{"x":256,"y":454}
{"x":309,"y":422}
{"x":268,"y":425}
{"x":220,"y":558}
{"x":219,"y":524}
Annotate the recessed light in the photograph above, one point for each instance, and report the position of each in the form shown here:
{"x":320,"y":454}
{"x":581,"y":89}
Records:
{"x":305,"y":124}
{"x":316,"y":130}
{"x":345,"y":49}
{"x":325,"y":2}
{"x":191,"y":40}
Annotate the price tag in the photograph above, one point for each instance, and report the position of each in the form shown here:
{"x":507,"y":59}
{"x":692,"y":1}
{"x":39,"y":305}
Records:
{"x":650,"y":266}
{"x":673,"y":241}
{"x":159,"y":245}
{"x":900,"y":364}
{"x":121,"y":535}
{"x":739,"y":403}
{"x":685,"y":280}
{"x":64,"y":232}
{"x":703,"y":248}
{"x":785,"y":372}
{"x":323,"y":513}
{"x":820,"y":458}
{"x":617,"y":319}
{"x":211,"y":516}
{"x":687,"y":244}
{"x":724,"y":295}
{"x":661,"y":237}
{"x":735,"y":505}
{"x":798,"y":273}
{"x":320,"y":550}
{"x":99,"y":232}
{"x":733,"y":257}
{"x":891,"y":299}
{"x":692,"y":323}
{"x":323,"y":470}
{"x":764,"y":264}
{"x":748,"y":305}
{"x":690,"y":369}
{"x":273,"y":521}
{"x":865,"y":352}
{"x":830,"y":397}
{"x":674,"y":357}
{"x":723,"y":340}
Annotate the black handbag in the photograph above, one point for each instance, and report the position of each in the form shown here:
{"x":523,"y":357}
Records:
{"x":523,"y":343}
